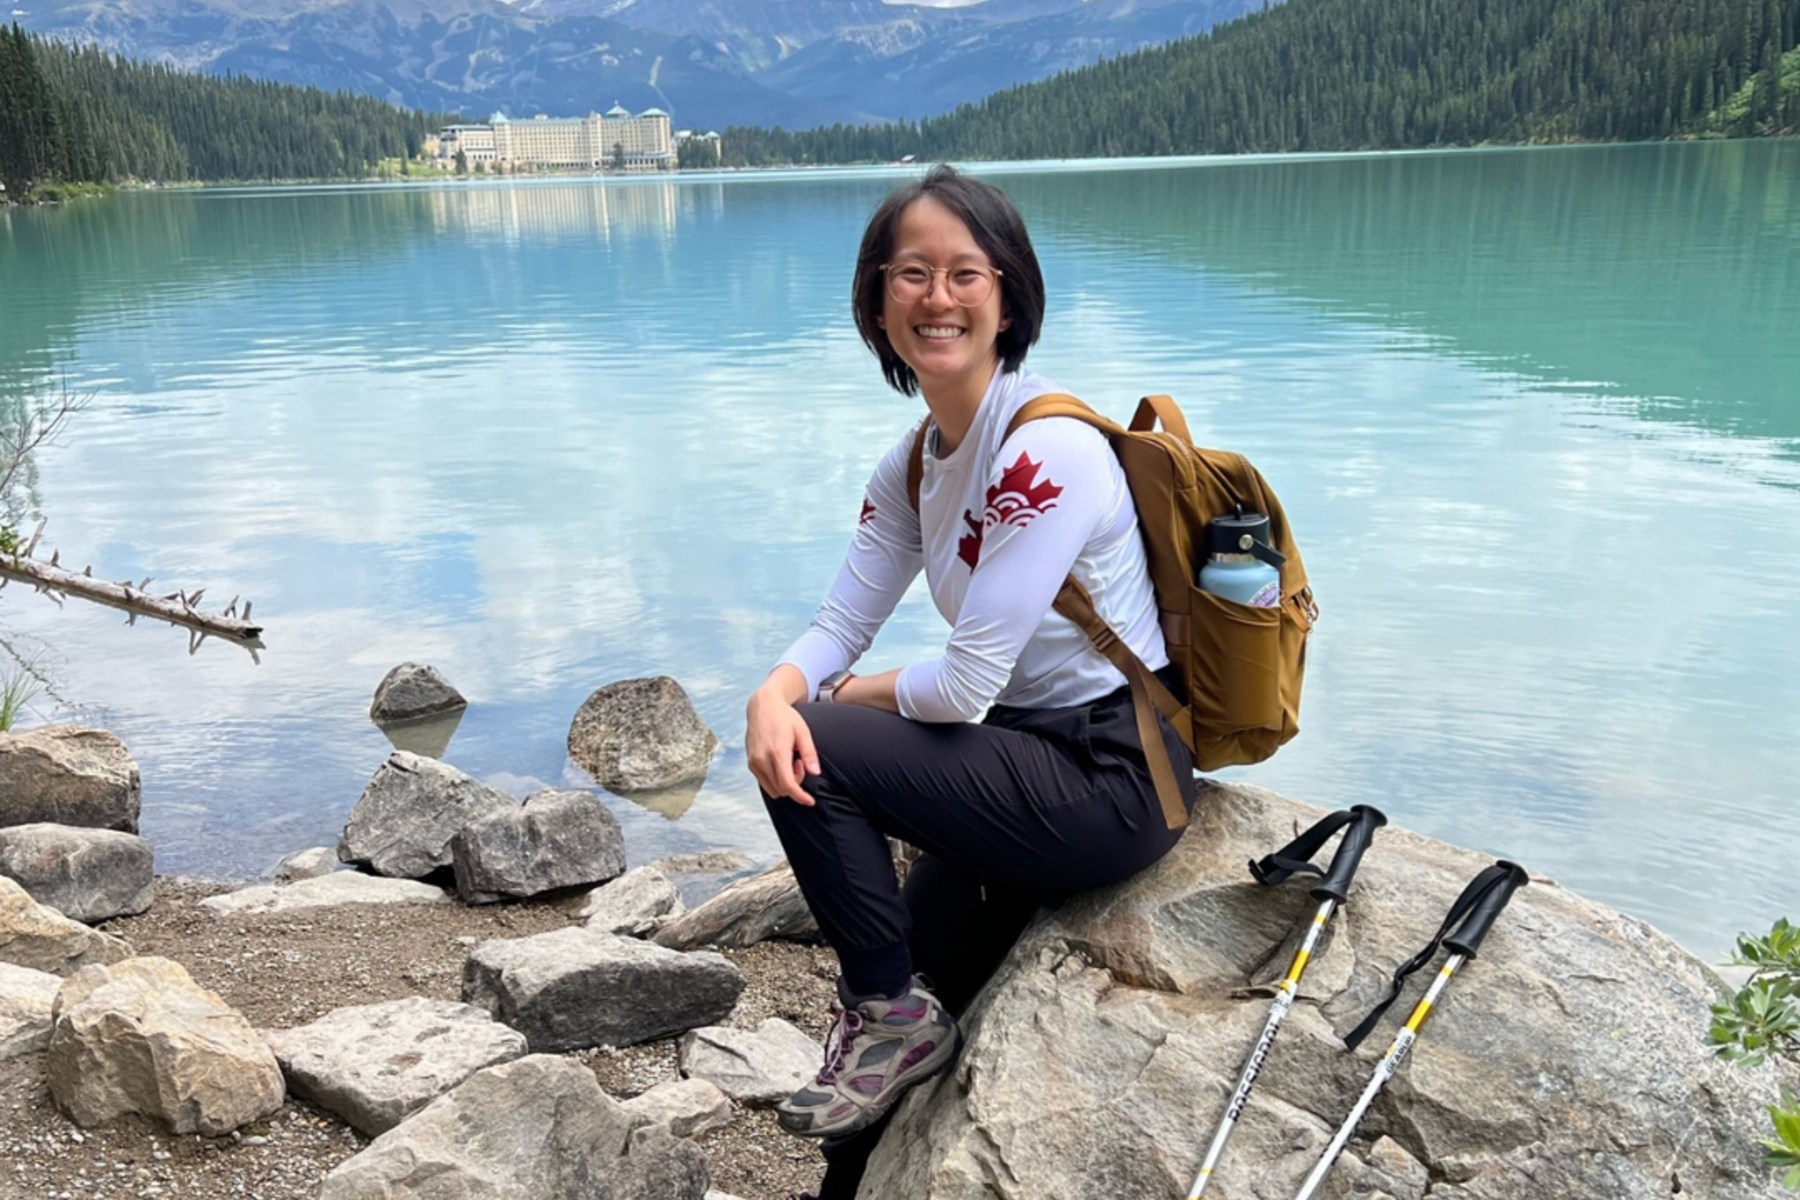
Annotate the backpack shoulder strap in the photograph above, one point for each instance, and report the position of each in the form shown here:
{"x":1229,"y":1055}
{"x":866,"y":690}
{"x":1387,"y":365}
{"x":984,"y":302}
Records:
{"x":915,"y":464}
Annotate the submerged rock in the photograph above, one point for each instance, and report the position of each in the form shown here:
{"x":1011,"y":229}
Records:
{"x":68,"y":776}
{"x":1568,"y":1060}
{"x":412,"y":691}
{"x":641,"y":733}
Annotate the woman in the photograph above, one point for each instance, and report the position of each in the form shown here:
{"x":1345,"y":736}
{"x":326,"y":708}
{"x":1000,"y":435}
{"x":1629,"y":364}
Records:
{"x":1046,"y":795}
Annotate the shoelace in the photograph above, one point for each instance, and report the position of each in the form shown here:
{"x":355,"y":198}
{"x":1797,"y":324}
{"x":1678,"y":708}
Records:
{"x":844,"y":1032}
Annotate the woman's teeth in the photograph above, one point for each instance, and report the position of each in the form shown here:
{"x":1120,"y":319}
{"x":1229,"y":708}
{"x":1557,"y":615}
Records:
{"x":937,"y":331}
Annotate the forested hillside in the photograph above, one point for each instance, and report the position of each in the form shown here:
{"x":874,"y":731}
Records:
{"x":1366,"y":74}
{"x":80,"y":114}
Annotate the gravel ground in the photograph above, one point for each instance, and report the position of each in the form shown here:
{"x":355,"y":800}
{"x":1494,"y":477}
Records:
{"x":287,"y":969}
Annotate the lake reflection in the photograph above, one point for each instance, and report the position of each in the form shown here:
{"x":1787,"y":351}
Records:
{"x":1534,"y":415}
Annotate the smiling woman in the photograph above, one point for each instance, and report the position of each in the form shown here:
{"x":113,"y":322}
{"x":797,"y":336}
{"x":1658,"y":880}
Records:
{"x":1011,"y":759}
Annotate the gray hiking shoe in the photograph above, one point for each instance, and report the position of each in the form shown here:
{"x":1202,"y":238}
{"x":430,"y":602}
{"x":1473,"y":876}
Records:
{"x":875,"y":1052}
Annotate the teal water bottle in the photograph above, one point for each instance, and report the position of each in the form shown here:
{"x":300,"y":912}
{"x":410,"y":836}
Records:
{"x":1241,"y":565}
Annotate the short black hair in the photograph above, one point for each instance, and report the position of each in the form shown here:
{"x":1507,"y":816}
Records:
{"x":1000,"y":232}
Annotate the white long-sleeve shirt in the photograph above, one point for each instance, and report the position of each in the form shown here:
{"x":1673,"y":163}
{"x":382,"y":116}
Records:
{"x":1000,"y":524}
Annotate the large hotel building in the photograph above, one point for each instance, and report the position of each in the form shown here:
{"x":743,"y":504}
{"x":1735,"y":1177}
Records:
{"x":615,"y":138}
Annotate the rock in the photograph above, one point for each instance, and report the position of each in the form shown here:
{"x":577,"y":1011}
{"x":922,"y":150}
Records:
{"x":306,"y":864}
{"x":412,"y":808}
{"x":752,"y":1067}
{"x":751,"y":910}
{"x":707,"y":862}
{"x":41,"y":938}
{"x":142,"y":1037}
{"x":68,"y":776}
{"x":376,"y":1064}
{"x":660,"y":1166}
{"x":412,"y":691}
{"x":688,"y":1107}
{"x":717,"y":1195}
{"x":557,"y":839}
{"x":641,"y":733}
{"x":85,"y":874}
{"x":537,"y":1127}
{"x":1568,"y":1060}
{"x":25,"y":1000}
{"x":429,"y":736}
{"x":633,"y":904}
{"x":339,"y":887}
{"x":572,"y":988}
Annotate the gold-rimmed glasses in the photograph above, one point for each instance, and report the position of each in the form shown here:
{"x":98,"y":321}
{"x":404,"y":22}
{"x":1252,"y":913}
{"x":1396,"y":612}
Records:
{"x":969,"y":286}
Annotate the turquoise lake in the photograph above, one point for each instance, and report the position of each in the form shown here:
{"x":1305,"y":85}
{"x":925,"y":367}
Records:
{"x":1535,"y":415}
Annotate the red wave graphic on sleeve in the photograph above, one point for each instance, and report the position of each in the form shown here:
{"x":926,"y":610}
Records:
{"x":1019,"y":497}
{"x":868,"y":512}
{"x":1015,"y":500}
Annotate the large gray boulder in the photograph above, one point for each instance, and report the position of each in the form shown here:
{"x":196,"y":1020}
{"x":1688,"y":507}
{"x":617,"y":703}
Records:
{"x":85,"y":874}
{"x":143,"y":1037}
{"x":26,"y":997}
{"x":767,"y":905}
{"x":412,"y":808}
{"x":641,"y":733}
{"x":376,"y":1064}
{"x":556,"y":839}
{"x":1568,"y":1060}
{"x":68,"y":776}
{"x":35,"y":936}
{"x":575,"y":987}
{"x":536,"y":1128}
{"x":412,"y":691}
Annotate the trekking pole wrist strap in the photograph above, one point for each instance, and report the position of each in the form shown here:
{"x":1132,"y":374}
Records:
{"x":1470,"y":916}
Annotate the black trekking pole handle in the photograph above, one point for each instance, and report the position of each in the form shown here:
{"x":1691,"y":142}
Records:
{"x":1467,"y":938}
{"x":1364,"y":821}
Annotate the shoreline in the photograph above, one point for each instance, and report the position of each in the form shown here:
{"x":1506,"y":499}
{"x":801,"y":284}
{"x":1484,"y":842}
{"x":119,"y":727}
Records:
{"x":286,"y":969}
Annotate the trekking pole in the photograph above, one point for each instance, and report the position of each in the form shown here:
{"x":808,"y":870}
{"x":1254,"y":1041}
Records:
{"x":1475,"y":910}
{"x":1359,"y":825}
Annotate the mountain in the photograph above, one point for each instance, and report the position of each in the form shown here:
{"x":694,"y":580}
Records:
{"x":794,"y":63}
{"x":1313,"y":75}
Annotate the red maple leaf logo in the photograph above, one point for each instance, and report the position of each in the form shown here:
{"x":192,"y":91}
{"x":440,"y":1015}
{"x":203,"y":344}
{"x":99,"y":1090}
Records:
{"x":1018,"y":496}
{"x":868,"y":512}
{"x":1016,"y":499}
{"x":968,"y":546}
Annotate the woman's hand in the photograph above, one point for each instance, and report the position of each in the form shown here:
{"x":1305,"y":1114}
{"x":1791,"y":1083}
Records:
{"x":776,"y":739}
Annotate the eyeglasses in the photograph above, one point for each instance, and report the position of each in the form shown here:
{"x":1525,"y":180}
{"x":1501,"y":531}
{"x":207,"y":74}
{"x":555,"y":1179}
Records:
{"x":909,"y":283}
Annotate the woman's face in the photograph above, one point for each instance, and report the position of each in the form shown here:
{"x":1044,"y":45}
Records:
{"x":949,"y":347}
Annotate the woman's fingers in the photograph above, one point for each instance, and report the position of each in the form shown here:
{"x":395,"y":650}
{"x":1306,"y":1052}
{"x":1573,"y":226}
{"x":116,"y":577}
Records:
{"x":780,"y":751}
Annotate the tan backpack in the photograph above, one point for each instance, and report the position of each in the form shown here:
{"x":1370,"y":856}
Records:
{"x":1240,"y":667}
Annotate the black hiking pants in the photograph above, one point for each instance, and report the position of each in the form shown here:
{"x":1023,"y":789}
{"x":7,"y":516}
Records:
{"x":1022,"y":810}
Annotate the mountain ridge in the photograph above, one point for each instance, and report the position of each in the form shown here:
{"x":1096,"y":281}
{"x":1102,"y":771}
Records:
{"x":794,"y":63}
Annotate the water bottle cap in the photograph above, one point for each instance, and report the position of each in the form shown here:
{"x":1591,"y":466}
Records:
{"x":1237,"y":533}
